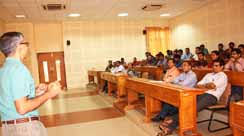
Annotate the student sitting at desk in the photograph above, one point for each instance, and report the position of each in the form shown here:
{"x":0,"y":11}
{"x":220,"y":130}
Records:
{"x":215,"y":83}
{"x":187,"y":78}
{"x":172,"y":72}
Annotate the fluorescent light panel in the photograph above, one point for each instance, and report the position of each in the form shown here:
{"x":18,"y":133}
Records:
{"x":165,"y":15}
{"x":123,"y":14}
{"x":20,"y":16}
{"x":74,"y":15}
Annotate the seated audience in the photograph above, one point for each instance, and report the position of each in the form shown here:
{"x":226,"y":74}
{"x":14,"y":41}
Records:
{"x":151,"y":60}
{"x":228,"y":51}
{"x":221,"y":50}
{"x":110,"y":66}
{"x":131,"y":71}
{"x":197,"y":50}
{"x":162,"y":62}
{"x":188,"y":55}
{"x":202,"y":62}
{"x":241,"y":47}
{"x":178,"y":61}
{"x":214,"y":56}
{"x":135,"y":62}
{"x":169,"y":55}
{"x":203,"y":49}
{"x":236,"y":63}
{"x":122,"y":61}
{"x":172,"y":72}
{"x":180,"y":52}
{"x":215,"y":83}
{"x":187,"y":78}
{"x":118,"y":68}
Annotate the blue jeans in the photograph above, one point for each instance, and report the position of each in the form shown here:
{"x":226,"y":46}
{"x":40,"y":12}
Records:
{"x":168,"y":110}
{"x":237,"y":93}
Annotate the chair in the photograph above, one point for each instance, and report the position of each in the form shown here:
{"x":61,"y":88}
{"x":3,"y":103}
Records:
{"x":223,"y":104}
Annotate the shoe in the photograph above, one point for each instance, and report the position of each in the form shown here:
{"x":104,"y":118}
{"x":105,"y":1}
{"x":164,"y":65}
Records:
{"x":156,"y":119}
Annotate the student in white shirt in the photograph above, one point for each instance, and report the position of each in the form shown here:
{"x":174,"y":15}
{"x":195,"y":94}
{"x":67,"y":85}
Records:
{"x":118,"y":68}
{"x":215,"y":82}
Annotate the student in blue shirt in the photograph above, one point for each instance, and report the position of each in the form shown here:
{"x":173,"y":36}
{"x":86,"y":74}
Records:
{"x":187,"y":78}
{"x":18,"y":95}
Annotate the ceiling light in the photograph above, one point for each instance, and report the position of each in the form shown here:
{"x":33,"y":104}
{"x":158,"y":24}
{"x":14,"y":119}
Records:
{"x":123,"y":14}
{"x":74,"y":15}
{"x":20,"y":16}
{"x":165,"y":15}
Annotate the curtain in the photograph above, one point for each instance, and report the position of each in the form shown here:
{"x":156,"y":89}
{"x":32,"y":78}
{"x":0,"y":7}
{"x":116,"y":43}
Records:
{"x":157,"y":39}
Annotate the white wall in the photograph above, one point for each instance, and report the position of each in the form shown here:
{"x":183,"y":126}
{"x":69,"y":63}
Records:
{"x":94,"y":43}
{"x":220,"y":21}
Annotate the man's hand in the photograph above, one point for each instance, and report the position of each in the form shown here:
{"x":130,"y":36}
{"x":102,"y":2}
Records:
{"x":200,"y":86}
{"x":210,"y":86}
{"x":54,"y":89}
{"x":41,"y":88}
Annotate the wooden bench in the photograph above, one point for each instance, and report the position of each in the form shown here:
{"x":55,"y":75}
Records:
{"x":237,"y":118}
{"x":156,"y":72}
{"x":91,"y":78}
{"x":157,"y":92}
{"x":116,"y":82}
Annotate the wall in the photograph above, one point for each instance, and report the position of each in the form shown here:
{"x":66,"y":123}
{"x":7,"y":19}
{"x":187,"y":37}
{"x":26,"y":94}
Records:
{"x":48,"y":37}
{"x":1,"y":32}
{"x":220,"y":21}
{"x":94,"y":43}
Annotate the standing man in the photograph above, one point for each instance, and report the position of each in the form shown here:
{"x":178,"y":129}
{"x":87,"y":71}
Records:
{"x":18,"y":96}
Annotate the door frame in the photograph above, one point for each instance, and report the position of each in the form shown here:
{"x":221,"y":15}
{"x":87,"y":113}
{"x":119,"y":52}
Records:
{"x":39,"y":53}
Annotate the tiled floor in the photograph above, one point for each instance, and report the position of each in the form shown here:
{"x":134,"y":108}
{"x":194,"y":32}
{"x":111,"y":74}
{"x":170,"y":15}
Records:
{"x":83,"y":112}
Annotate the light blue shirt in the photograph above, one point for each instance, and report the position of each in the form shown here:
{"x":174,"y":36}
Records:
{"x":15,"y":82}
{"x":188,"y":79}
{"x":186,"y":56}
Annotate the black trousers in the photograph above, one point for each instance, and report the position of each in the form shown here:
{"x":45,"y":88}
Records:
{"x":203,"y":101}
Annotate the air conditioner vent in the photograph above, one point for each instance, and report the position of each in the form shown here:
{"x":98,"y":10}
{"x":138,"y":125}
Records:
{"x":152,"y":7}
{"x":53,"y":7}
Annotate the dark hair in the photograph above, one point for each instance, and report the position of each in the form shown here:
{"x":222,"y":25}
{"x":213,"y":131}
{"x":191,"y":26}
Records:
{"x":215,"y":52}
{"x":172,"y":60}
{"x":188,"y":62}
{"x":9,"y":42}
{"x":202,"y":45}
{"x":201,"y":53}
{"x":177,"y":56}
{"x":187,"y":48}
{"x":180,"y":50}
{"x":241,"y":45}
{"x":220,"y":61}
{"x":221,"y":44}
{"x":238,"y":51}
{"x":232,"y":43}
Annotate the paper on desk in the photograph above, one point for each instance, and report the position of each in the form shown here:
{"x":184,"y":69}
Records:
{"x":153,"y":81}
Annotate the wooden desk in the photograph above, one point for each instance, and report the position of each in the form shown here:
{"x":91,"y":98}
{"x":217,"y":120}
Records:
{"x":116,"y":82}
{"x":91,"y":76}
{"x":237,"y":118}
{"x":156,"y":72}
{"x":181,"y":97}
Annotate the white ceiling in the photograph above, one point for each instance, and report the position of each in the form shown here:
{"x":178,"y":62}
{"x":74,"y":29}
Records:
{"x":93,"y":9}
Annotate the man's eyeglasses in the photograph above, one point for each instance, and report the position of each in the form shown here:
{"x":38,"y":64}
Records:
{"x":216,"y":65}
{"x":25,"y":43}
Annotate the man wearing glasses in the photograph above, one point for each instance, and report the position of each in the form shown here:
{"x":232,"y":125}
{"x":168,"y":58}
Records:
{"x":19,"y":98}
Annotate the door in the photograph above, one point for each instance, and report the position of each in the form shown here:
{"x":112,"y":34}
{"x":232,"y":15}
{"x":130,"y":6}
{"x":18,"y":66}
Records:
{"x":52,"y":67}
